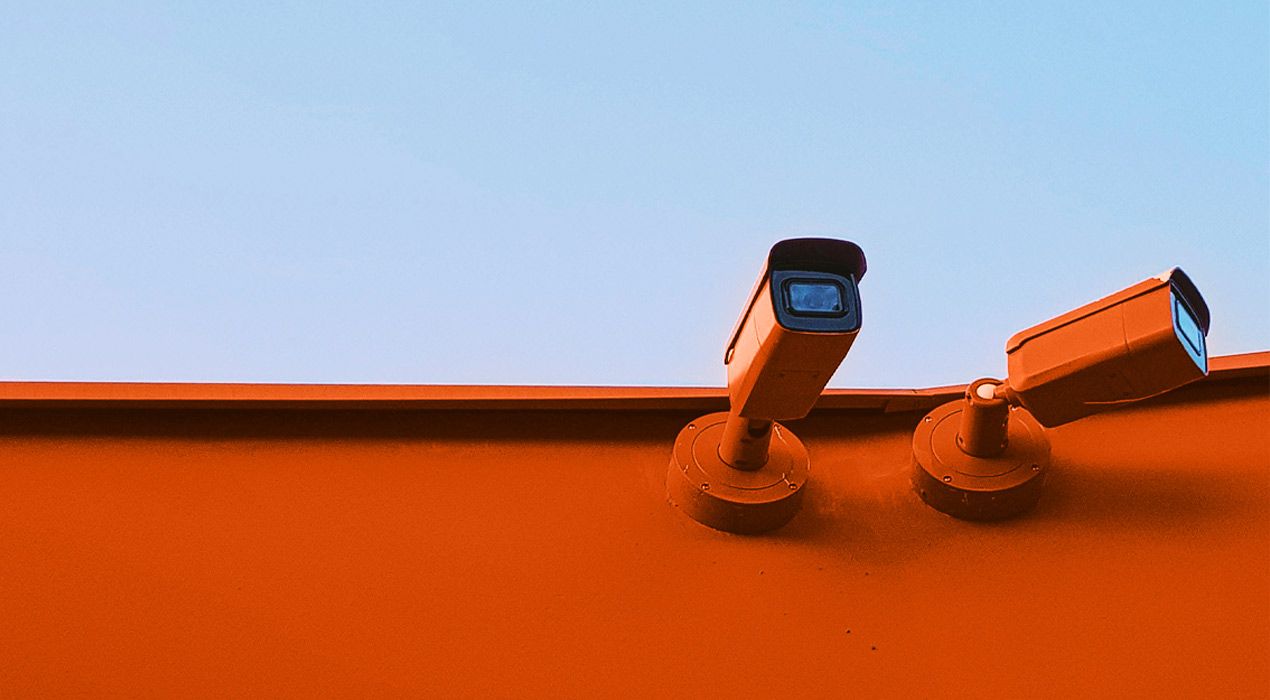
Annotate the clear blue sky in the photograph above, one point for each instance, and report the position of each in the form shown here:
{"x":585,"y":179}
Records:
{"x":583,"y":193}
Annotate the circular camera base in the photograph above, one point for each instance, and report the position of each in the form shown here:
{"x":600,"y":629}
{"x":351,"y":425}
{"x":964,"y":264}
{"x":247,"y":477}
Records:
{"x":713,"y":493}
{"x":979,"y":488}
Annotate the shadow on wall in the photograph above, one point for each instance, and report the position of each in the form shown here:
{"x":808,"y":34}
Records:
{"x":1161,"y":466}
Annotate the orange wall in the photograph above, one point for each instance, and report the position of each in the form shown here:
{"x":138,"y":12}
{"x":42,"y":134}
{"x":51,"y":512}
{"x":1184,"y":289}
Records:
{"x":283,"y":552}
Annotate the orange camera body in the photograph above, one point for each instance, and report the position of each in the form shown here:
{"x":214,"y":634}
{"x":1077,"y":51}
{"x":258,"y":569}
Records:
{"x":801,"y":319}
{"x":1136,"y":343}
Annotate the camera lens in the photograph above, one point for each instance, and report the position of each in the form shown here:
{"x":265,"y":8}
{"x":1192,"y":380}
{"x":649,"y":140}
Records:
{"x":814,"y":298}
{"x":1188,"y":331}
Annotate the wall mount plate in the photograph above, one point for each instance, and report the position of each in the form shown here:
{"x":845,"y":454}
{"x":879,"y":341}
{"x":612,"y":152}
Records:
{"x":725,"y":498}
{"x":979,"y":488}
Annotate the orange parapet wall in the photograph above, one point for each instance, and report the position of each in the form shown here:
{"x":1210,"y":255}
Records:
{"x":266,"y":540}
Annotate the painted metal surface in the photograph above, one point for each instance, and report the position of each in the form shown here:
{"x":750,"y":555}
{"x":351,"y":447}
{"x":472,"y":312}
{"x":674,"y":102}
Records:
{"x":181,"y":540}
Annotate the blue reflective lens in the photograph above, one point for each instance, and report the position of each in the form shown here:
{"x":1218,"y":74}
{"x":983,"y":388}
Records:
{"x":1189,"y":332}
{"x":810,"y":297}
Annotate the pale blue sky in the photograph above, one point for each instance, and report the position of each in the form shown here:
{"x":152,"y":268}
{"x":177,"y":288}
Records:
{"x":583,"y":193}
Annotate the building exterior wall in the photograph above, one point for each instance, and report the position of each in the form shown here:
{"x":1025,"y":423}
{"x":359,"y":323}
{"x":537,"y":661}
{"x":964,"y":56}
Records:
{"x":167,"y":547}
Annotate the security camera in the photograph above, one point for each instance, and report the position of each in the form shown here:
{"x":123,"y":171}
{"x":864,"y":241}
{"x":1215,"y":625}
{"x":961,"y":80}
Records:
{"x":1136,"y":343}
{"x":986,"y":457}
{"x":740,"y":470}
